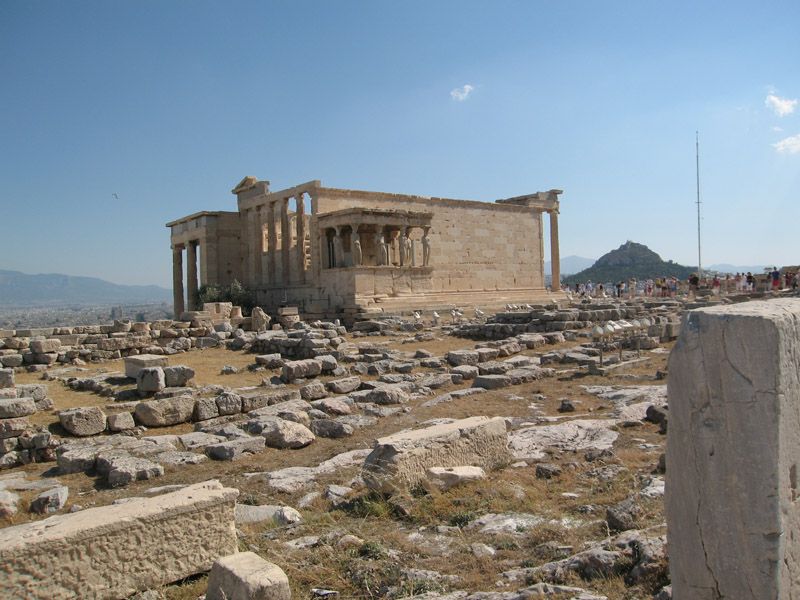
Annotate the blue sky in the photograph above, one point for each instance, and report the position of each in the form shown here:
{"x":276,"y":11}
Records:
{"x":168,"y":104}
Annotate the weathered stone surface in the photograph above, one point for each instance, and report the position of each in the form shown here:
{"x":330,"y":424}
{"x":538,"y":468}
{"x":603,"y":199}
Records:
{"x":165,"y":412}
{"x":156,"y":539}
{"x":89,"y":420}
{"x":133,"y":364}
{"x":178,"y":375}
{"x":299,"y":369}
{"x":270,"y":361}
{"x":279,"y":515}
{"x":43,"y":346}
{"x":281,"y":433}
{"x":492,"y":382}
{"x":387,"y":395}
{"x":16,"y":407}
{"x":122,"y":470}
{"x":229,"y":403}
{"x":529,"y":443}
{"x":401,"y":460}
{"x":313,"y":391}
{"x":344,"y":385}
{"x":247,"y":576}
{"x":457,"y":358}
{"x":11,"y":428}
{"x":50,"y":501}
{"x":150,"y":380}
{"x":121,"y":422}
{"x":205,"y":408}
{"x":332,"y":406}
{"x":448,"y":477}
{"x":6,"y":378}
{"x":234,"y":448}
{"x":331,"y":429}
{"x":732,"y":448}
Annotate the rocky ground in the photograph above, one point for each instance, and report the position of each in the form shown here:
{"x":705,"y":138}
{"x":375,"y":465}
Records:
{"x":577,"y":512}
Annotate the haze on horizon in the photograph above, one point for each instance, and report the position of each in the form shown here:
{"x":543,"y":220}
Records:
{"x":119,"y":117}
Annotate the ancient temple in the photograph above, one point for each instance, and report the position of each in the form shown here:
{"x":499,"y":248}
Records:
{"x":337,"y":252}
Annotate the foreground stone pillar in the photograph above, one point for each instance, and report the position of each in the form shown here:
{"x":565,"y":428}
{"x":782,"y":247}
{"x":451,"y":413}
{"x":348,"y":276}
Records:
{"x":301,"y":239}
{"x":555,"y":257}
{"x":733,"y":450}
{"x":177,"y":281}
{"x":115,"y":551}
{"x":191,"y":275}
{"x":286,"y":241}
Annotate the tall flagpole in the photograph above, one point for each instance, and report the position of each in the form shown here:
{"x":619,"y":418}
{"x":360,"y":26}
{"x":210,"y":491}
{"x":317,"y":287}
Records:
{"x":697,"y":161}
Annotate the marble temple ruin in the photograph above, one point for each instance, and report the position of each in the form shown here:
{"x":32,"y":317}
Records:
{"x":337,"y":252}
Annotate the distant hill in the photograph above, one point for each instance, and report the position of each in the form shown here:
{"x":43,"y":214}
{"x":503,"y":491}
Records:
{"x":21,"y":289}
{"x":630,"y":260}
{"x":570,"y":264}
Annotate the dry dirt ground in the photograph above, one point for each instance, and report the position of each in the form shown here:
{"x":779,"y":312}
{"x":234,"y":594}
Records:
{"x":402,"y":535}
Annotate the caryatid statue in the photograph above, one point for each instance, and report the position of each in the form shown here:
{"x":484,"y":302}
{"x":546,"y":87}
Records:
{"x":408,"y":249}
{"x":402,"y":247}
{"x":356,"y":244}
{"x":383,"y":248}
{"x":338,"y":249}
{"x":426,"y":247}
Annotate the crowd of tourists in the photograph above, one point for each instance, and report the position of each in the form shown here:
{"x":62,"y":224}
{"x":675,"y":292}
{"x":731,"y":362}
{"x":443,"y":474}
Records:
{"x":668,"y":287}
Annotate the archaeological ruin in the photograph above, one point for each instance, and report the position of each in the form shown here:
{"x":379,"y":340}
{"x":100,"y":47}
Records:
{"x":337,"y":252}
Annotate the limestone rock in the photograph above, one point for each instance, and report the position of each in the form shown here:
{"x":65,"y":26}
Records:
{"x":387,"y":395}
{"x":229,"y":403}
{"x":6,"y":378}
{"x":299,"y":369}
{"x":122,"y":421}
{"x":448,"y":477}
{"x":259,"y":320}
{"x":572,"y":436}
{"x":150,"y":380}
{"x":50,"y":501}
{"x":178,"y":375}
{"x":279,"y":515}
{"x":329,"y":428}
{"x":313,"y":391}
{"x":270,"y":361}
{"x":332,"y":406}
{"x":165,"y":412}
{"x":280,"y":433}
{"x":344,"y":385}
{"x":400,"y":461}
{"x":100,"y":540}
{"x":133,"y":364}
{"x":85,"y":421}
{"x":457,"y":358}
{"x":16,"y":407}
{"x":247,"y":576}
{"x":234,"y":448}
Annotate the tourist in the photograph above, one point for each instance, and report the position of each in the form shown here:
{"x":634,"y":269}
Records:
{"x":775,"y":275}
{"x":694,"y":284}
{"x":751,"y":282}
{"x":715,"y":286}
{"x":619,"y":287}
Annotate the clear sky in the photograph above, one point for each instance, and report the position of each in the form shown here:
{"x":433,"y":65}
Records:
{"x":168,"y":104}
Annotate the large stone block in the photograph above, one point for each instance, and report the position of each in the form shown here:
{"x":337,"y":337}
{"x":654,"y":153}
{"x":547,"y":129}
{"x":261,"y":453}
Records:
{"x":401,"y":460}
{"x":133,"y":364}
{"x":83,"y":421}
{"x":165,"y":412}
{"x":115,"y":551}
{"x":150,"y":380}
{"x":16,"y":407}
{"x":247,"y":576}
{"x":298,"y":369}
{"x":43,"y":346}
{"x":733,"y":451}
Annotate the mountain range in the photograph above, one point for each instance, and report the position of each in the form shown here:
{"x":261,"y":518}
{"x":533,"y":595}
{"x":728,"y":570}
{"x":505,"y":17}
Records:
{"x":21,"y":289}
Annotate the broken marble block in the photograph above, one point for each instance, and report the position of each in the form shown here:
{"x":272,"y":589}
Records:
{"x":401,"y":461}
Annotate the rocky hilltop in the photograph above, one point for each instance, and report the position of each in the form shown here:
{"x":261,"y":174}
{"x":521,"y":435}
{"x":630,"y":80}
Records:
{"x":630,"y":260}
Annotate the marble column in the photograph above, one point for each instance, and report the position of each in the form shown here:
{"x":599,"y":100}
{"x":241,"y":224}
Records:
{"x":338,"y":248}
{"x":177,"y":280}
{"x":258,"y":248}
{"x":286,"y":241}
{"x":191,"y":275}
{"x":272,"y":242}
{"x":301,"y":239}
{"x":555,"y":260}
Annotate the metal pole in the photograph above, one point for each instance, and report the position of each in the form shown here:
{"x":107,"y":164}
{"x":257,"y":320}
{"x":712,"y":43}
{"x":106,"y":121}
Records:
{"x":697,"y":160}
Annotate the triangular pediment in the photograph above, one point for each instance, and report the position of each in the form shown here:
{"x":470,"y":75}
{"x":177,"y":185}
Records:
{"x":245,"y":184}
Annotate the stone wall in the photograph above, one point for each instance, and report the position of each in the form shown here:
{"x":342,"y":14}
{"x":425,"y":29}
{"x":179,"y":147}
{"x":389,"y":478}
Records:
{"x":475,"y":245}
{"x":115,"y":551}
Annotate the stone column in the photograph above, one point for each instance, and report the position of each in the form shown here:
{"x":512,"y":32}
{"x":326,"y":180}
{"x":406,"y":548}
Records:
{"x":191,"y":275}
{"x":301,"y":239}
{"x":272,"y":242}
{"x":733,"y":448}
{"x":258,"y":248}
{"x":286,"y":241}
{"x":555,"y":260}
{"x":338,"y":248}
{"x":177,"y":280}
